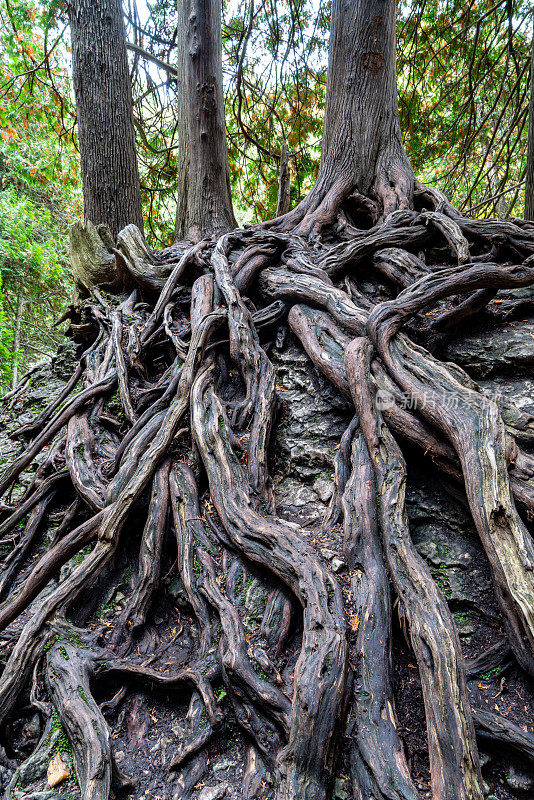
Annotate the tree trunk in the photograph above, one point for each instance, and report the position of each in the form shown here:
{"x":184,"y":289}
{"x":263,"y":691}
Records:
{"x":108,"y":161}
{"x":529,"y":182}
{"x":203,"y":194}
{"x":363,"y":161}
{"x":362,"y":143}
{"x":284,"y":182}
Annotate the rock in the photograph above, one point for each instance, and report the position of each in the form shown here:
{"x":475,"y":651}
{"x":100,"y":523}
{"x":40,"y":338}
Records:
{"x":226,"y":763}
{"x":58,"y":771}
{"x":256,"y":600}
{"x":177,"y":591}
{"x":516,"y":390}
{"x":519,"y":780}
{"x":340,"y":789}
{"x":338,"y":564}
{"x":313,"y":419}
{"x":324,"y":489}
{"x":431,"y":505}
{"x":32,"y":728}
{"x":65,"y":360}
{"x":433,"y":544}
{"x":445,"y":536}
{"x":212,"y":792}
{"x":161,"y":749}
{"x":295,"y":494}
{"x":34,"y":768}
{"x":466,"y":630}
{"x":327,"y":553}
{"x":5,"y":776}
{"x":492,"y":349}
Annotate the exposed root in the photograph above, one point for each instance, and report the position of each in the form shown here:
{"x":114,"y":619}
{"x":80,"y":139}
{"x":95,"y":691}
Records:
{"x":162,"y":459}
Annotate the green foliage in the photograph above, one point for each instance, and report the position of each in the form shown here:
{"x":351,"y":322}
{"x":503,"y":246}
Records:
{"x":463,"y":95}
{"x":51,"y":642}
{"x":491,"y":674}
{"x":33,"y":280}
{"x":39,"y":184}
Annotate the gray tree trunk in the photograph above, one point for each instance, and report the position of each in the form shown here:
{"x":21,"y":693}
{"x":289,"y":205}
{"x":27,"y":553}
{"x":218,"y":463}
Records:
{"x":362,"y":144}
{"x":102,"y":88}
{"x":284,"y":182}
{"x":529,"y":178}
{"x":203,"y":193}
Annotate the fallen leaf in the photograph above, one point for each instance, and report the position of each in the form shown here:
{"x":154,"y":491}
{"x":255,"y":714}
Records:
{"x":57,"y":771}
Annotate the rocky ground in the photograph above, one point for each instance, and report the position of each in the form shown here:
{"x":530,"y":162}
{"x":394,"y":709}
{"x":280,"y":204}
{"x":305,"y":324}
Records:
{"x":313,"y":417}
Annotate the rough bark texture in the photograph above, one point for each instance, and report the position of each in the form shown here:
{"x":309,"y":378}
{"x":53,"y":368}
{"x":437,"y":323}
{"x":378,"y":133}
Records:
{"x":362,"y":158}
{"x":529,"y":176}
{"x":108,"y":161}
{"x":284,"y":182}
{"x":204,"y":198}
{"x":362,"y":138}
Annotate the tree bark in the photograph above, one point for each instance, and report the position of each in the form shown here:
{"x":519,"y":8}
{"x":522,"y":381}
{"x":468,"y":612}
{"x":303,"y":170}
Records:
{"x":284,"y":182}
{"x":108,"y":162}
{"x":529,"y":179}
{"x":204,"y":201}
{"x":309,"y":671}
{"x":362,"y":143}
{"x":364,"y":166}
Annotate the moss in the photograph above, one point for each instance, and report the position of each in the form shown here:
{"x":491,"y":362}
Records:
{"x":63,"y":744}
{"x":79,"y":557}
{"x":491,"y":674}
{"x":461,"y":617}
{"x":51,"y":642}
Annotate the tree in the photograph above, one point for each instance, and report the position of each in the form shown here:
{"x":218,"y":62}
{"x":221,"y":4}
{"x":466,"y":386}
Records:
{"x":362,"y":145}
{"x":166,"y":451}
{"x":463,"y":75}
{"x":108,"y":161}
{"x":204,"y":198}
{"x":529,"y":177}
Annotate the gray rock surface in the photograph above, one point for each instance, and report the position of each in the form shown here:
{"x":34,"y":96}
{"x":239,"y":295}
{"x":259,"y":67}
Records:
{"x":212,"y":792}
{"x":255,"y":602}
{"x":519,"y":391}
{"x":34,"y":768}
{"x":177,"y":591}
{"x":520,"y":780}
{"x":494,"y":348}
{"x":312,"y":422}
{"x":445,"y":536}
